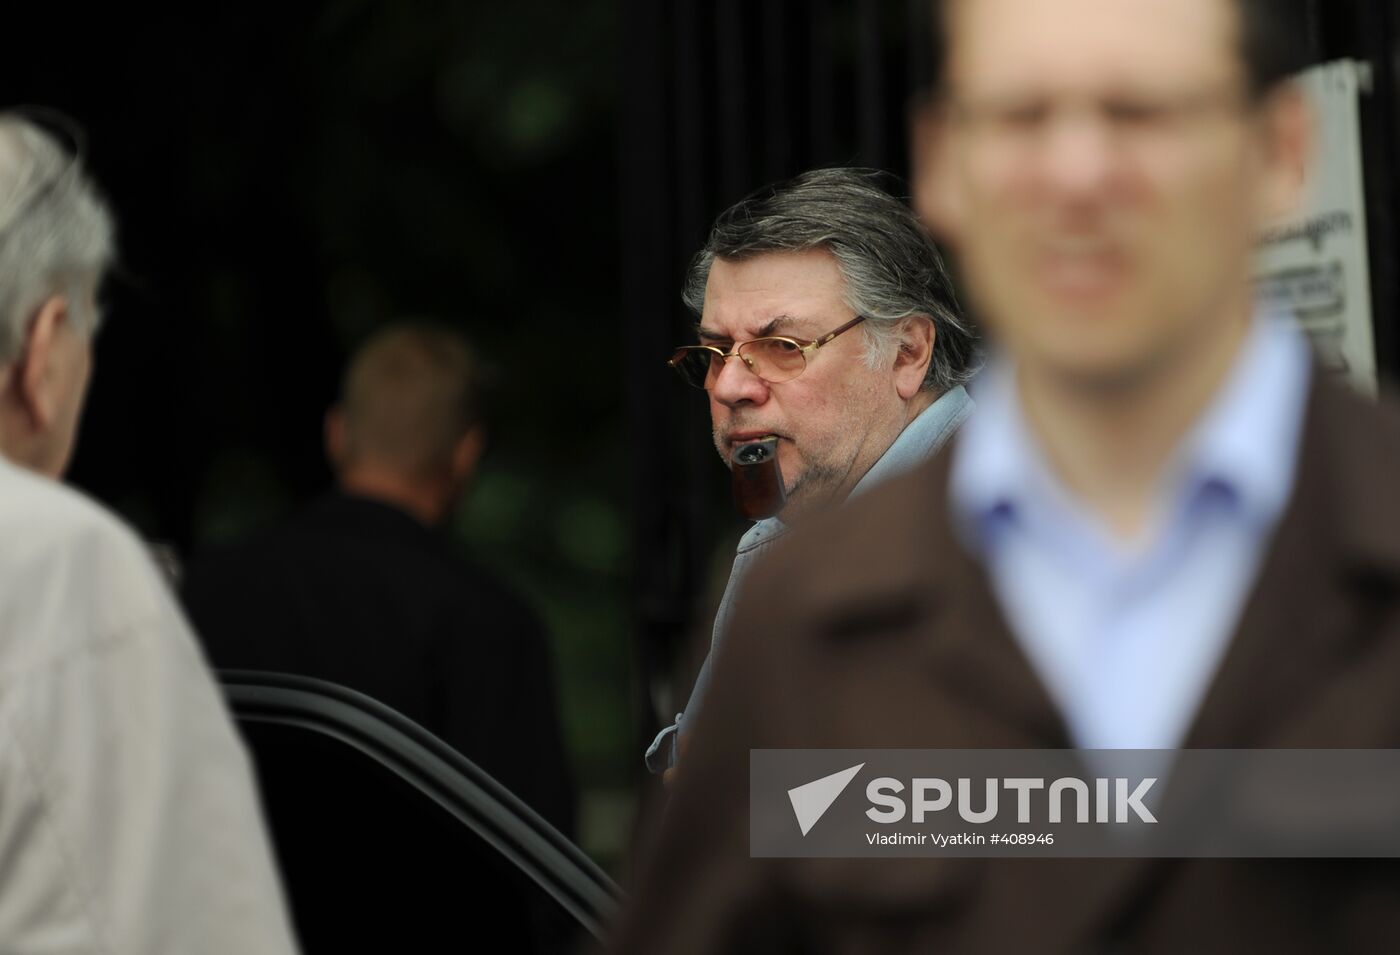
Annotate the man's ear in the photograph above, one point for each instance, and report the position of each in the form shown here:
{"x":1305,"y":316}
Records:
{"x":337,"y":438}
{"x":466,"y":454}
{"x":911,"y":360}
{"x":936,"y":200}
{"x":34,"y":368}
{"x":1287,"y":134}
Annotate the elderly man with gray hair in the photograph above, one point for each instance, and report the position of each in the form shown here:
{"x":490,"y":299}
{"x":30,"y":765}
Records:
{"x":786,"y":274}
{"x":128,"y":817}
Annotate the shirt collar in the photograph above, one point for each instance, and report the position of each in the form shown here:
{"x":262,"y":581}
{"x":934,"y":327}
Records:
{"x":919,"y":440}
{"x":1246,"y":441}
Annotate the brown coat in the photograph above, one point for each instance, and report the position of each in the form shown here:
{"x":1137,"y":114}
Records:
{"x":874,"y":628}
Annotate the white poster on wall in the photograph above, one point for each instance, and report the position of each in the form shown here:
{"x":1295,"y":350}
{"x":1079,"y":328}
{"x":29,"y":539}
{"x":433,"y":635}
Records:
{"x":1315,"y":264}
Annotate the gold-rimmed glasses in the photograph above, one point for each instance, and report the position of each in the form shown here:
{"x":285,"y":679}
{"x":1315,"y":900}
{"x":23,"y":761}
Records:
{"x":775,"y":358}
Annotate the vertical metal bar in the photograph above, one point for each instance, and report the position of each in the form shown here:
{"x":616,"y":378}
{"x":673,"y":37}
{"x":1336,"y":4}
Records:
{"x":920,"y":39}
{"x":1375,"y":28}
{"x":689,"y":115}
{"x":645,"y":243}
{"x":733,"y":96}
{"x":870,"y":86}
{"x":777,"y":121}
{"x":1313,"y":23}
{"x":697,"y":157}
{"x":820,"y":85}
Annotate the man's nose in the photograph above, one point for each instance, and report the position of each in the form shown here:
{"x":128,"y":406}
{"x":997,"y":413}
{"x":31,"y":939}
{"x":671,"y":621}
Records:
{"x":736,"y":384}
{"x":1080,"y":153}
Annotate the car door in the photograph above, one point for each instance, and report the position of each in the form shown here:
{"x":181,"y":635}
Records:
{"x":391,"y":841}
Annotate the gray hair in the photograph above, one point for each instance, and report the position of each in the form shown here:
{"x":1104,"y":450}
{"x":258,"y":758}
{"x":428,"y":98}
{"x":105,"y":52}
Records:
{"x":891,"y":267}
{"x":56,"y":233}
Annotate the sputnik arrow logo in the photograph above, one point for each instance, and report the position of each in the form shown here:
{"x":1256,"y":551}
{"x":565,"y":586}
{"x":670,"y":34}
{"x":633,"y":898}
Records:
{"x":810,"y":801}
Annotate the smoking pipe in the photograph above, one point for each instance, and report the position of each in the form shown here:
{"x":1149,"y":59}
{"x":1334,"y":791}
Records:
{"x":757,"y":479}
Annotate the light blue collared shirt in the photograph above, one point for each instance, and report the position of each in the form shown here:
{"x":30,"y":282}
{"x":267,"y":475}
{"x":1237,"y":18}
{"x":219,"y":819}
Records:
{"x":919,"y":440}
{"x":1128,"y":637}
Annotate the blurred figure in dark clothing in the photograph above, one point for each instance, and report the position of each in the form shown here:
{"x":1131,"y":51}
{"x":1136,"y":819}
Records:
{"x":363,"y":589}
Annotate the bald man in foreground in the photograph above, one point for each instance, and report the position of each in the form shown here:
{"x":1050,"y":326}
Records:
{"x":363,"y":588}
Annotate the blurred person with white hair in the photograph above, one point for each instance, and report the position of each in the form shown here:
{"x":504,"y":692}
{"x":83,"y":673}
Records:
{"x":128,"y":816}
